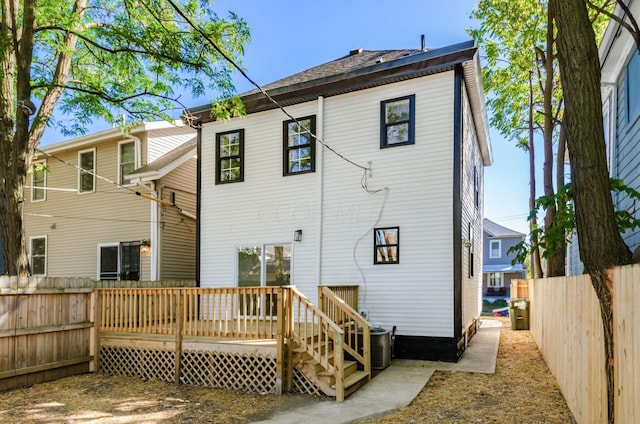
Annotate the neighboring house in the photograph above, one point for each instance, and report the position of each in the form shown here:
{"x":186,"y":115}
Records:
{"x":498,"y":268}
{"x":276,"y":208}
{"x":620,"y":87}
{"x":83,"y":215}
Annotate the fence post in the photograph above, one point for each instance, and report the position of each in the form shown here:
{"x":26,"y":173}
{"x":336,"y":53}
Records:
{"x":179,"y":329}
{"x":94,"y":348}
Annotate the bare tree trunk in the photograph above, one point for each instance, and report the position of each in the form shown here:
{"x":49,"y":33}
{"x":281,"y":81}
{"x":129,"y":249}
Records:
{"x":536,"y":265}
{"x":600,"y":244}
{"x":555,"y":258}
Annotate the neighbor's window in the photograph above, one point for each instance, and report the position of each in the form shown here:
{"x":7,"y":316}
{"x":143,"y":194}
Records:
{"x":87,"y":171}
{"x":38,"y":255}
{"x":230,"y":157}
{"x":127,"y":161}
{"x":386,"y":245}
{"x":38,"y":181}
{"x":495,"y":248}
{"x":633,"y":86}
{"x":299,"y":146}
{"x":495,"y":279}
{"x":119,"y":261}
{"x":397,"y":121}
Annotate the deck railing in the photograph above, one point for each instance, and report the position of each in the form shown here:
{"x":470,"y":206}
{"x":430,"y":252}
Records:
{"x":357,"y":330}
{"x":314,"y":332}
{"x":347,"y":293}
{"x":248,"y":312}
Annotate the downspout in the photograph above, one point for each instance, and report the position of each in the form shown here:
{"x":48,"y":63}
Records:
{"x":320,"y":169}
{"x":457,"y":202}
{"x":198,"y":196}
{"x":155,"y":242}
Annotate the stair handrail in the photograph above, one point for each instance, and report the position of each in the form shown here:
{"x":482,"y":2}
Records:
{"x":329,"y":333}
{"x":340,"y":312}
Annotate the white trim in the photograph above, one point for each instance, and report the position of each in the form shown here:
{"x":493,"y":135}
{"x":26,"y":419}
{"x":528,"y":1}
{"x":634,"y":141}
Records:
{"x":44,"y":187}
{"x":111,"y":244}
{"x":92,"y":171}
{"x":46,"y":252}
{"x":491,"y":255}
{"x":136,"y":159}
{"x":501,"y":282}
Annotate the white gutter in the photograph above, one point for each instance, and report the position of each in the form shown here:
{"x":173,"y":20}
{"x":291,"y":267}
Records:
{"x":320,"y":171}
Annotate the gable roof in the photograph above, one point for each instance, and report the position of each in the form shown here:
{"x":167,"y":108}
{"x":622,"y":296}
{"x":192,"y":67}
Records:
{"x":109,"y":134}
{"x":498,"y":231}
{"x":363,"y":69}
{"x":167,"y":162}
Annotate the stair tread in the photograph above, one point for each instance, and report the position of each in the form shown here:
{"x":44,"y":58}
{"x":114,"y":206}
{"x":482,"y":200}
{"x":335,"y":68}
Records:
{"x":354,"y":378}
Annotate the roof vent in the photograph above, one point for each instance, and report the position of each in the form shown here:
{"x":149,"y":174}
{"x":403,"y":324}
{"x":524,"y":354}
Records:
{"x":406,"y":53}
{"x":355,"y":52}
{"x":380,"y":59}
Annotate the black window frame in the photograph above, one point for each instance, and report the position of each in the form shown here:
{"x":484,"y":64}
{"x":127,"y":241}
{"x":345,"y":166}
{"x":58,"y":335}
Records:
{"x":286,"y":148}
{"x":384,"y":126}
{"x":240,"y":156}
{"x":377,"y":245}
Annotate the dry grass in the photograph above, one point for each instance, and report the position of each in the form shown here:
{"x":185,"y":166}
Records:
{"x":521,"y":391}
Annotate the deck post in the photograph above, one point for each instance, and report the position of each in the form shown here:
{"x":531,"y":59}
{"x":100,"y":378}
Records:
{"x":320,"y":298}
{"x":281,"y":368}
{"x":94,"y":348}
{"x":179,"y":330}
{"x":288,"y":314}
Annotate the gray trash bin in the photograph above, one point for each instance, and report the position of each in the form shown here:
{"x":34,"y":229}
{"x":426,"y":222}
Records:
{"x":380,"y":347}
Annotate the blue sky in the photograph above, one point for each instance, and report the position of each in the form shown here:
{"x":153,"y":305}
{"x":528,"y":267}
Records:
{"x":289,"y":36}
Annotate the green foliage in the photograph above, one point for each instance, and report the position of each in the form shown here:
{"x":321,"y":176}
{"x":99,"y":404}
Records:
{"x":133,"y":57}
{"x":564,"y":223}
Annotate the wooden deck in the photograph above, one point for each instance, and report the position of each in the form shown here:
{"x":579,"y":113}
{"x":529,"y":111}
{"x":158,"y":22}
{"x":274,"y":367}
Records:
{"x":259,"y":339}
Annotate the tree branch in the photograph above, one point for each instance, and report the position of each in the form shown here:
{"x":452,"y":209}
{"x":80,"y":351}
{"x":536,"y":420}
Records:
{"x":631,"y":27}
{"x":55,"y":91}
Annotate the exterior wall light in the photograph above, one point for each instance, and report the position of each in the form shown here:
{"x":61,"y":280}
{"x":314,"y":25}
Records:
{"x":297,"y":235}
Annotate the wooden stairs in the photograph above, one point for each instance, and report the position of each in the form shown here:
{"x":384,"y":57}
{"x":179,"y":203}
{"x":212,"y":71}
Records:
{"x":324,"y":378}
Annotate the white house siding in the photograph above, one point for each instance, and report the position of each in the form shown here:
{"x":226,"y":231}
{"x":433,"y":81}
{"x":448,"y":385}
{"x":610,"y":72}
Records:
{"x":415,"y":295}
{"x":162,"y":141}
{"x":265,"y":208}
{"x":76,"y":223}
{"x":471,"y":158}
{"x":178,"y":232}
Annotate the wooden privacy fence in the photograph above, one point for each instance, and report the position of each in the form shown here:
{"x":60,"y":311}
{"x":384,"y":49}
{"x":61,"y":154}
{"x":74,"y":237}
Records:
{"x":46,"y":326}
{"x":566,"y":324}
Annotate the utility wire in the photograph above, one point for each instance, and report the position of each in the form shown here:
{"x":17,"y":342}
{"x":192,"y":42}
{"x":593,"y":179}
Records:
{"x":255,"y":84}
{"x":137,"y":193}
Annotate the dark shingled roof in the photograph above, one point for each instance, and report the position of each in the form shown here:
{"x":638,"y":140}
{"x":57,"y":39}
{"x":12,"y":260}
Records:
{"x":352,"y":62}
{"x":359,"y":70}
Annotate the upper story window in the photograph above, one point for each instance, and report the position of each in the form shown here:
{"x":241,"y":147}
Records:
{"x":495,"y":249}
{"x":230,"y":157}
{"x":299,"y":146}
{"x":633,"y":86}
{"x":38,"y":255}
{"x":38,"y":181}
{"x":397,"y":121}
{"x":87,"y":171}
{"x":127,"y":160}
{"x":386,"y":245}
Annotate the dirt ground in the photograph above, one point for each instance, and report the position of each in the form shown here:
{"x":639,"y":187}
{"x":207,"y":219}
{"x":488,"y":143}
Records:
{"x":521,"y":391}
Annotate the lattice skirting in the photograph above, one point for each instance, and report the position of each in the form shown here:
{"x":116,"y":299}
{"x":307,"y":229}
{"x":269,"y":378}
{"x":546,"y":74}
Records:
{"x":253,"y":373}
{"x":248,"y":372}
{"x":151,"y":364}
{"x":301,"y":384}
